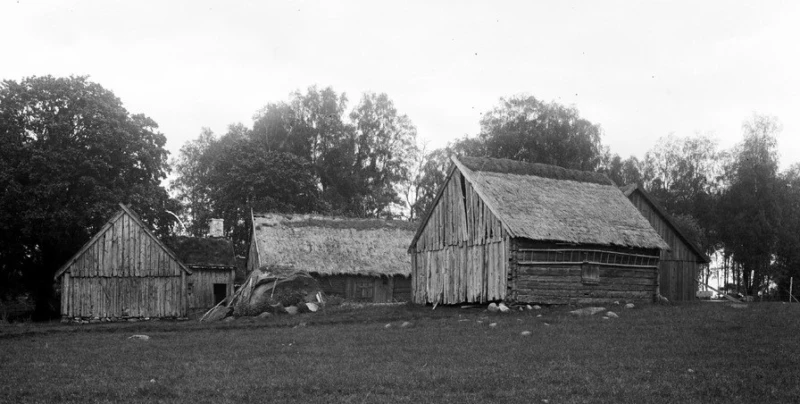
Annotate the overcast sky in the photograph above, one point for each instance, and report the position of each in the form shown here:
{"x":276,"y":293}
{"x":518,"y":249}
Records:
{"x":642,"y":70}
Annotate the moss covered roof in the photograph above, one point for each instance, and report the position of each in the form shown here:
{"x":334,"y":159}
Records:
{"x":204,"y":251}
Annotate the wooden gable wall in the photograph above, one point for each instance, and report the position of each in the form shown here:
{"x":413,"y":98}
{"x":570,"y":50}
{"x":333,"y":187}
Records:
{"x":123,"y":272}
{"x":678,"y":269}
{"x":461,"y":252}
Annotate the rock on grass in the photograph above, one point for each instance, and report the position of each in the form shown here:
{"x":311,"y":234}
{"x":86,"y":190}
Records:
{"x":587,"y":311}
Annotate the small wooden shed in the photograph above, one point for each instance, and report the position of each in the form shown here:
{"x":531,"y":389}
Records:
{"x":358,"y":259}
{"x":123,"y":271}
{"x":679,"y":267}
{"x":213,"y":265}
{"x":506,"y":230}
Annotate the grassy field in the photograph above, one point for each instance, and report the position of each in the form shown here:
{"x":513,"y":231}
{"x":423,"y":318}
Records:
{"x":702,"y":353}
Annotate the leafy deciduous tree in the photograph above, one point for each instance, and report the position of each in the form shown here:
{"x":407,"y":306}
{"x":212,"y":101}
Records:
{"x":70,"y":152}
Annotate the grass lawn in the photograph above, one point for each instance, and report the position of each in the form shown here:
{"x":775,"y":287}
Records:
{"x":702,"y":353}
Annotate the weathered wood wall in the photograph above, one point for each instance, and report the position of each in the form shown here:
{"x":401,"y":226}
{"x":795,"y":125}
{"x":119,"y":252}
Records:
{"x":552,"y":274}
{"x":678,"y":269}
{"x":461,"y":254}
{"x":381,"y":289}
{"x":202,"y":281}
{"x":124,"y":273}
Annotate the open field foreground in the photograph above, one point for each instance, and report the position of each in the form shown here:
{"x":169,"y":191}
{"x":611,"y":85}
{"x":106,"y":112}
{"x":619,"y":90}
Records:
{"x":702,"y":353}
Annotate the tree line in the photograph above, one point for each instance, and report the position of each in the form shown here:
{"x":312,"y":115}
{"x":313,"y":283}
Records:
{"x":70,"y":152}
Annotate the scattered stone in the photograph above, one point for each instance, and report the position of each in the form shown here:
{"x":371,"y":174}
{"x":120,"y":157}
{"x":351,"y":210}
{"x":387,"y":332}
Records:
{"x":547,"y":324}
{"x":738,"y":306}
{"x":529,"y":307}
{"x":405,"y":324}
{"x":312,"y":307}
{"x":463,"y":320}
{"x":538,"y":315}
{"x":229,"y":319}
{"x":521,"y":308}
{"x":525,"y":333}
{"x":152,"y":380}
{"x":493,"y":325}
{"x":303,"y":324}
{"x":587,"y":311}
{"x":629,"y":306}
{"x":147,"y":319}
{"x":492,"y":307}
{"x":503,"y":308}
{"x":291,"y":310}
{"x":612,"y":314}
{"x":264,"y":315}
{"x":663,"y":300}
{"x":537,"y":307}
{"x":388,"y":325}
{"x":704,"y":294}
{"x":691,"y":370}
{"x":616,"y":302}
{"x":605,"y":318}
{"x":139,"y":336}
{"x":132,"y":320}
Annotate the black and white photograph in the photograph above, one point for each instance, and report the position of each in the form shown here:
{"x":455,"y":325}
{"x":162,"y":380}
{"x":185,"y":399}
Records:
{"x":440,"y":201}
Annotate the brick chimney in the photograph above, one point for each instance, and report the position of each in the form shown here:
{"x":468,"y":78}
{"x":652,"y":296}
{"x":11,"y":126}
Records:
{"x":216,"y":228}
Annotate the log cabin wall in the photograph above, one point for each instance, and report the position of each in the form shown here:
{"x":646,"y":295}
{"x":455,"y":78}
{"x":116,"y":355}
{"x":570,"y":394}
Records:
{"x":679,"y":268}
{"x":461,"y":255}
{"x":553,"y":273}
{"x":364,"y":288}
{"x":123,"y":273}
{"x":201,"y":285}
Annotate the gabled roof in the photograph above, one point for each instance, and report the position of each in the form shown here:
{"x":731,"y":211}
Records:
{"x":629,"y":189}
{"x":204,"y":252}
{"x":124,"y":210}
{"x":549,"y":203}
{"x":333,"y":246}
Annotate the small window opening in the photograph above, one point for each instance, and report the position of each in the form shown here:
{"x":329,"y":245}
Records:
{"x":590,"y":273}
{"x":189,"y":287}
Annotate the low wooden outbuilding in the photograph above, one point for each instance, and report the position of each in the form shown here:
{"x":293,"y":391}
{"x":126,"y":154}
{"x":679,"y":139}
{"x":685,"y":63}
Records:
{"x":358,"y":259}
{"x":680,"y":266}
{"x":506,"y":230}
{"x":123,"y":271}
{"x":213,"y":265}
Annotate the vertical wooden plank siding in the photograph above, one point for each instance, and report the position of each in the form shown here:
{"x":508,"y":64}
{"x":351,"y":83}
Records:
{"x":124,"y":274}
{"x":203,"y":280}
{"x":460,"y":255}
{"x":679,"y":268}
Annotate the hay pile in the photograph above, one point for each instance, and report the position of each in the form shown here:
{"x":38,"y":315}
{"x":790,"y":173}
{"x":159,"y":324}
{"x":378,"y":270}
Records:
{"x":269,"y":289}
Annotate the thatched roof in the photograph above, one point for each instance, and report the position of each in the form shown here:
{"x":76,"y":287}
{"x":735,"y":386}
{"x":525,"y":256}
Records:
{"x":334,"y":246}
{"x":204,"y":252}
{"x":541,"y":202}
{"x":629,"y":189}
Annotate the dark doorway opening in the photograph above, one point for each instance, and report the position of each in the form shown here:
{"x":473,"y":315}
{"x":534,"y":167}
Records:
{"x":220,"y":292}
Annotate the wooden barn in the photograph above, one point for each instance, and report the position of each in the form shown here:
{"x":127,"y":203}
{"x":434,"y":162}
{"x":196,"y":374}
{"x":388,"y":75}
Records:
{"x":123,"y":271}
{"x":680,"y":266}
{"x":213,"y":265}
{"x":506,"y":230}
{"x":358,"y":259}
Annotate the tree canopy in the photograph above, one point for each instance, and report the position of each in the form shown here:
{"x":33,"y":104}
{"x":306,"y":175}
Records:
{"x":70,"y":152}
{"x":307,"y":154}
